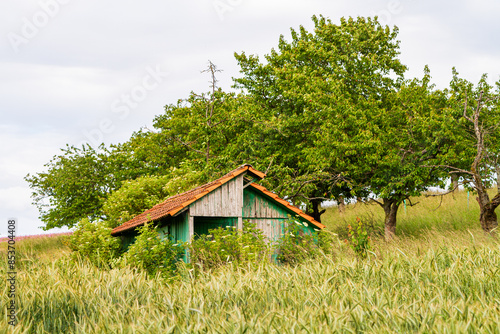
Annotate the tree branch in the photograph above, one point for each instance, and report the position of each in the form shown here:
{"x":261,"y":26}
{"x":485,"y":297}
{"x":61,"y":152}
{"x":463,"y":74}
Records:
{"x":442,"y":194}
{"x":457,"y":170}
{"x":465,"y":110}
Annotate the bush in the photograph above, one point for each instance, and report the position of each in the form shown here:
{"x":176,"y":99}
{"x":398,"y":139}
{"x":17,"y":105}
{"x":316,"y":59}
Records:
{"x":358,"y":238}
{"x":153,"y":253}
{"x":327,"y":241}
{"x":228,"y":245}
{"x":93,"y":240}
{"x":296,"y":246}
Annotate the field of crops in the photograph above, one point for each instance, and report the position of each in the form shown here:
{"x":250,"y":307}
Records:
{"x":438,"y":278}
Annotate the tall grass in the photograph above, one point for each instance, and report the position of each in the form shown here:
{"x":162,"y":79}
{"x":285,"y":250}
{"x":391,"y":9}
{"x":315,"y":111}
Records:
{"x":458,"y":212}
{"x":40,"y":247}
{"x":447,"y":282}
{"x":434,"y":278}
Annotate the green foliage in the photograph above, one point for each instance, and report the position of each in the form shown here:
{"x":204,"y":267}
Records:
{"x":136,"y":196}
{"x":78,"y":182}
{"x":463,"y":146}
{"x":229,"y":245}
{"x":133,"y":198}
{"x":327,"y":241}
{"x":153,"y":253}
{"x":345,"y":121}
{"x":75,"y":185}
{"x":358,"y":238}
{"x":93,"y":240}
{"x":328,"y":114}
{"x":296,"y":246}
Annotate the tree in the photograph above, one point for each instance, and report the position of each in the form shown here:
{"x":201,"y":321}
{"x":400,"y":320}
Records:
{"x":381,"y":149}
{"x":73,"y":187}
{"x":347,"y":124}
{"x":191,"y":143}
{"x":205,"y":125}
{"x":77,"y":182}
{"x":476,"y":148}
{"x":306,"y":79}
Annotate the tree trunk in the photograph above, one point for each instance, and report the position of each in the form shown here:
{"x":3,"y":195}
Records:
{"x":391,"y":212}
{"x":316,"y":209}
{"x":497,"y":169}
{"x":454,"y":182}
{"x":341,"y":204}
{"x":488,"y":217}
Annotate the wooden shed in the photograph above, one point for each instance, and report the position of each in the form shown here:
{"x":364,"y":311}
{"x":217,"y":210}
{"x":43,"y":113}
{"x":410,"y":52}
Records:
{"x":227,"y":201}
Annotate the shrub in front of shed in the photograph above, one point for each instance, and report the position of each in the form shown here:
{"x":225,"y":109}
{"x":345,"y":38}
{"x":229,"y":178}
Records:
{"x":296,"y":245}
{"x":93,"y":240}
{"x":153,"y":253}
{"x":229,"y":246}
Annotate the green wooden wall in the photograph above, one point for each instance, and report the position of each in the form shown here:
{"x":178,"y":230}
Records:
{"x":203,"y":224}
{"x":269,"y":215}
{"x":176,"y":228}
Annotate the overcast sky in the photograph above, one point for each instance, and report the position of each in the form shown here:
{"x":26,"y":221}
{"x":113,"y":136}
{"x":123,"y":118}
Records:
{"x":76,"y":71}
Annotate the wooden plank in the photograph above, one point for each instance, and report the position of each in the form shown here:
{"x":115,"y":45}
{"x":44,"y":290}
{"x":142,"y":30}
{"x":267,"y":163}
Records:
{"x":190,"y":226}
{"x":224,"y":197}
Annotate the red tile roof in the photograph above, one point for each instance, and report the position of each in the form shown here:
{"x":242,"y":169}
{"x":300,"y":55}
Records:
{"x":174,"y":204}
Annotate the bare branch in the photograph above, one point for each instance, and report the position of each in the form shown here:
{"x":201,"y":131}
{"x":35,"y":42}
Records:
{"x":269,"y":167}
{"x":442,"y":194}
{"x":409,"y":201}
{"x":457,"y":170}
{"x":465,"y":111}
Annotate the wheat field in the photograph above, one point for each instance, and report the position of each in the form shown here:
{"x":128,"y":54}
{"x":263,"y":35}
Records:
{"x":441,"y":275}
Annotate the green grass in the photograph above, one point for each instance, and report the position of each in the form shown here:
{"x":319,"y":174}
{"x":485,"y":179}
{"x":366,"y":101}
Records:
{"x":453,"y":212}
{"x":39,"y":248}
{"x":431,"y":279}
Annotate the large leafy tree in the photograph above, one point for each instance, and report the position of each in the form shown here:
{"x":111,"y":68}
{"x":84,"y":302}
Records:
{"x":382,"y":148}
{"x":192,"y":142}
{"x":332,"y":68}
{"x":74,"y":186}
{"x":346,"y":122}
{"x":139,"y":195}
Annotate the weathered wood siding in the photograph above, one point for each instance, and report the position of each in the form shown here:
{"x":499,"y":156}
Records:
{"x":256,"y":205}
{"x":225,"y":201}
{"x":268,"y":215}
{"x":273,"y":229}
